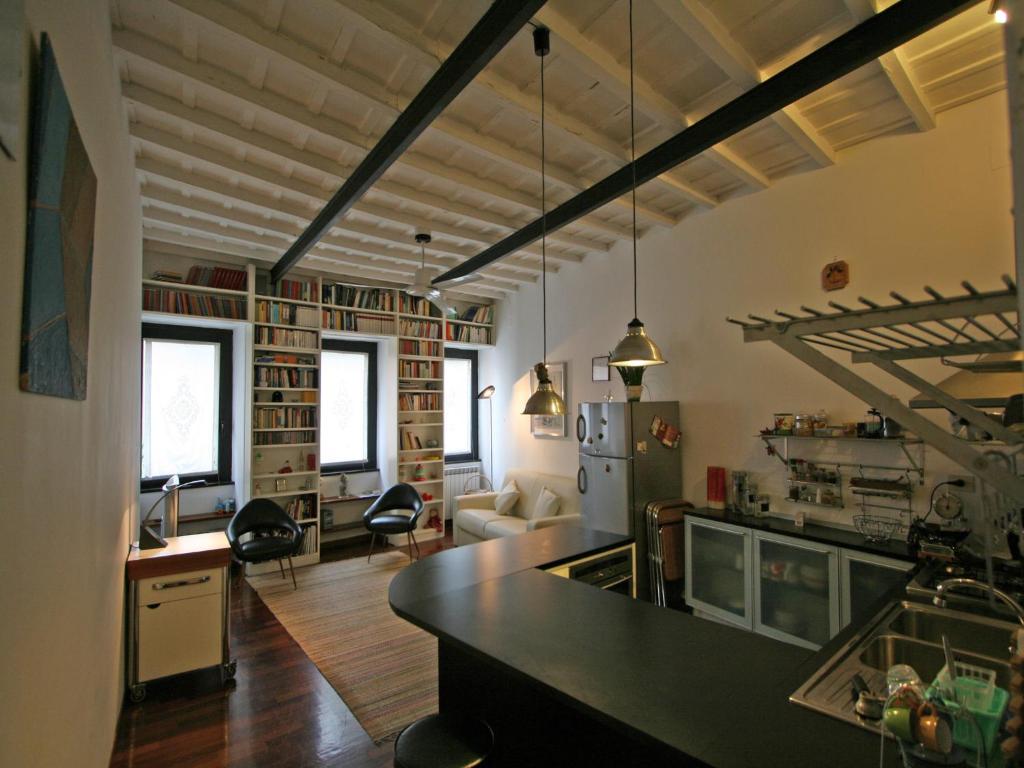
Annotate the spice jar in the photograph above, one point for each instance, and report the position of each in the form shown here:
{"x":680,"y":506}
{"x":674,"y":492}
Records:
{"x":803,"y":425}
{"x":820,"y":422}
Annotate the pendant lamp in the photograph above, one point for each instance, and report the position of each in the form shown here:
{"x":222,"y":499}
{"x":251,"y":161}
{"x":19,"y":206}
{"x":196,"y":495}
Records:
{"x":545,"y":401}
{"x":637,"y":349}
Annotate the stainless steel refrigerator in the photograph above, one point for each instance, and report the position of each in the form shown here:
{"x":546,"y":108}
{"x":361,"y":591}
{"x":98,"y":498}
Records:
{"x":624,"y":467}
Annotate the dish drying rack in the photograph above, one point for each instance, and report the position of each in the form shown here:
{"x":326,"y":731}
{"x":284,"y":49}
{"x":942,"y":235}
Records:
{"x":973,"y":323}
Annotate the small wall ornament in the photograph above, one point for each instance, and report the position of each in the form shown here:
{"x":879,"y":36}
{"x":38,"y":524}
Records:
{"x":835,"y":276}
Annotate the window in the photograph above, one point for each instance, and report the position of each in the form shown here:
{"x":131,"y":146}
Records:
{"x":186,"y":404}
{"x":348,"y":408}
{"x":460,"y":411}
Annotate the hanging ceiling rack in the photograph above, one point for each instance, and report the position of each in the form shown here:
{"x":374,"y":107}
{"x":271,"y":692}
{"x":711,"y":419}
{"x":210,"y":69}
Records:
{"x":973,"y":323}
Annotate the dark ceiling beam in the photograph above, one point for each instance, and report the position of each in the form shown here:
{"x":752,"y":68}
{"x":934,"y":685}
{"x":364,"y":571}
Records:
{"x":490,"y":34}
{"x":878,"y":35}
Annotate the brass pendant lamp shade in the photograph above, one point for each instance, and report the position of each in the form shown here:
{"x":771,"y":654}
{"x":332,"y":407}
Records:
{"x":545,"y":401}
{"x":637,"y":349}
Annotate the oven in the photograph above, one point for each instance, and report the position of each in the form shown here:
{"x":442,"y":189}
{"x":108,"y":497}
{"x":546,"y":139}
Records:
{"x":614,"y":570}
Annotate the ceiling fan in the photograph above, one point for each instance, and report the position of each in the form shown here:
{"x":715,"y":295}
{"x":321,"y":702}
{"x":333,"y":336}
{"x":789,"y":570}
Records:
{"x":422,"y":285}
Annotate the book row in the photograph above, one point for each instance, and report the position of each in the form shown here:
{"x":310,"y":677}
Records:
{"x":411,"y":442}
{"x":419,"y":369}
{"x":419,"y":402}
{"x":310,"y":540}
{"x":284,"y":337}
{"x":411,"y":305}
{"x":283,"y":438}
{"x":419,"y":348}
{"x":477,"y":314}
{"x":285,"y":314}
{"x":187,"y":303}
{"x":351,"y":321}
{"x":301,"y":508}
{"x":298,"y":290}
{"x":467,"y":333}
{"x":419,"y":329}
{"x":379,"y":299}
{"x":283,"y":418}
{"x":286,"y":378}
{"x":217,"y":277}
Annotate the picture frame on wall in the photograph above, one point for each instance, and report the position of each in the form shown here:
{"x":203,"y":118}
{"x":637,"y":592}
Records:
{"x":551,"y":427}
{"x":599,"y":368}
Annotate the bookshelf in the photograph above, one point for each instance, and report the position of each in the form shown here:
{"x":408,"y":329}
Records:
{"x":470,"y":324}
{"x":421,"y":405}
{"x":182,"y":286}
{"x":286,"y":408}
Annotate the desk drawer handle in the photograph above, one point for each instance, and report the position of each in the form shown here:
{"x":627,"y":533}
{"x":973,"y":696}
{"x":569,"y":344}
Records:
{"x":185,"y":583}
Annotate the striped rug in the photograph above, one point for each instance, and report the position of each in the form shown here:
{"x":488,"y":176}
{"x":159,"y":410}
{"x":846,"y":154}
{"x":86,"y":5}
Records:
{"x":383,"y":667}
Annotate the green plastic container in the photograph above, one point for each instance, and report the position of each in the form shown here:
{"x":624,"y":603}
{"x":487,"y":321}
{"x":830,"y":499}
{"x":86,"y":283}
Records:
{"x":985,"y":702}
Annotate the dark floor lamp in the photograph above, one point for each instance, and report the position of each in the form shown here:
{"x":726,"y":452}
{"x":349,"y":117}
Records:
{"x":486,"y":394}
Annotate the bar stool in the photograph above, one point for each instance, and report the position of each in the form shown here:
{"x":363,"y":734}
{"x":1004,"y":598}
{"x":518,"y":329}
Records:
{"x":444,"y":741}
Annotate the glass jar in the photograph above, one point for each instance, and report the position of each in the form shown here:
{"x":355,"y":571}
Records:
{"x":820,"y":422}
{"x":803,"y":425}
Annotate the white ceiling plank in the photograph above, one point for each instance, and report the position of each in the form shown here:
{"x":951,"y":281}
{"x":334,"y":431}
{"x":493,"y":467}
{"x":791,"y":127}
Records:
{"x":155,"y":54}
{"x":375,"y":98}
{"x":897,"y":71}
{"x":590,"y":57}
{"x":380,"y":22}
{"x":333,"y":172}
{"x":714,"y":40}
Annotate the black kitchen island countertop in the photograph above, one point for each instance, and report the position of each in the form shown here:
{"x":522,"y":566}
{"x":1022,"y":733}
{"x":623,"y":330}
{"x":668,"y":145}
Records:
{"x":709,"y":693}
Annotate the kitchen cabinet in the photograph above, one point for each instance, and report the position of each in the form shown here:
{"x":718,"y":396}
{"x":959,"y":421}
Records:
{"x":718,"y":571}
{"x":786,"y":587}
{"x":865,"y":578}
{"x":796,"y":589}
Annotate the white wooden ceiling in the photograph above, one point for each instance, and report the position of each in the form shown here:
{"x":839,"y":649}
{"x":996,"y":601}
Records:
{"x":246,"y":116}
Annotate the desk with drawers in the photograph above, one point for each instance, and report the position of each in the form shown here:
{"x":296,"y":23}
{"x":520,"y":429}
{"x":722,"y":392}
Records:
{"x":178,"y":609}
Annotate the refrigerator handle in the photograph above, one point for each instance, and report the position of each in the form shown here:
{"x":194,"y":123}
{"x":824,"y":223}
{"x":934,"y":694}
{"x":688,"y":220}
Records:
{"x":581,"y":480}
{"x":581,"y":428}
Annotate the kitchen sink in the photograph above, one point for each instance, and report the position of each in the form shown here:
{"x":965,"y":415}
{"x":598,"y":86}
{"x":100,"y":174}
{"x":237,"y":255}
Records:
{"x":905,"y":633}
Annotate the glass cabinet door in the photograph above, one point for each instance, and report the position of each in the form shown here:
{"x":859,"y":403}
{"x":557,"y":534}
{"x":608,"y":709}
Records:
{"x":717,"y":571}
{"x":795,"y":590}
{"x":865,"y":579}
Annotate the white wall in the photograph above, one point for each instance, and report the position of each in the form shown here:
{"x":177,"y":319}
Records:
{"x":69,"y":470}
{"x":904,"y":211}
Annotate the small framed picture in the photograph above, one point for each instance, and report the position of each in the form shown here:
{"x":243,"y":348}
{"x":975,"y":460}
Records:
{"x":599,"y":368}
{"x":280,"y":484}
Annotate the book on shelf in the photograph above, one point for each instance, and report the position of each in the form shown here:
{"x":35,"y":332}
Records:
{"x":283,"y":418}
{"x":467,"y":333}
{"x":167,"y":276}
{"x":412,"y":305}
{"x":217,"y":277}
{"x":419,"y":369}
{"x":310,"y":540}
{"x":358,"y":297}
{"x":285,"y":337}
{"x":421,"y":329}
{"x":186,"y":303}
{"x":476,"y":314}
{"x":283,"y":438}
{"x":419,"y":402}
{"x":285,"y":378}
{"x":301,"y":507}
{"x":297,"y":290}
{"x":285,"y":314}
{"x":343,"y":320}
{"x":419,"y":348}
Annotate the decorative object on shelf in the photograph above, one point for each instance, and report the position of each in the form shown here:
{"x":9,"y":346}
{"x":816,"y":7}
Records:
{"x":784,"y":423}
{"x":545,"y":403}
{"x":310,"y":462}
{"x":59,"y":243}
{"x":280,"y":485}
{"x":431,"y":442}
{"x":434,"y":521}
{"x":835,"y":276}
{"x":286,"y":468}
{"x":636,"y":349}
{"x":716,"y":487}
{"x":599,"y":368}
{"x":277,"y":397}
{"x":418,"y":473}
{"x":549,"y":425}
{"x":343,"y":484}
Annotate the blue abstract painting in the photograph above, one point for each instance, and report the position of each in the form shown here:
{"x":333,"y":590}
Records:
{"x":59,"y":244}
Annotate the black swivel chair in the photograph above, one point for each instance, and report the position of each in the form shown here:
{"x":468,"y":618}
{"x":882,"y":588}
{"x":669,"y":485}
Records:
{"x":276,"y":535}
{"x":380,"y":518}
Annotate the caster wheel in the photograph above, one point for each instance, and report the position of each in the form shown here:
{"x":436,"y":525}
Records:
{"x":137,"y":692}
{"x":227,"y":671}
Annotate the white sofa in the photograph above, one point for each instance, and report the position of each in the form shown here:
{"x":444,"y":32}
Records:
{"x":476,"y":519}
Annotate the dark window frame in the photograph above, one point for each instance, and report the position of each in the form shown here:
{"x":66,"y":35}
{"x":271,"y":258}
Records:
{"x":474,"y":388}
{"x":225,"y":339}
{"x":371,"y":349}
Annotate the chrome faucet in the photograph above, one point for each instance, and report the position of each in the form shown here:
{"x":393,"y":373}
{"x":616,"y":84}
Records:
{"x":947,"y":587}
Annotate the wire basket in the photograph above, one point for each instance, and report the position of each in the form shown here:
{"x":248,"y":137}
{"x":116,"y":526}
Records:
{"x":875,"y":528}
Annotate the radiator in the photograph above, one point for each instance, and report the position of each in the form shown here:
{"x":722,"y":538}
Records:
{"x":455,"y":478}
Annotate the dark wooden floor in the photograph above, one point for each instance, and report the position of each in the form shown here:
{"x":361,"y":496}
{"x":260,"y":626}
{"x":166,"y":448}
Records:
{"x":280,"y":712}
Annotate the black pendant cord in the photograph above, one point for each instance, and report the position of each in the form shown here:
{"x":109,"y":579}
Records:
{"x":632,"y":152}
{"x":543,"y":221}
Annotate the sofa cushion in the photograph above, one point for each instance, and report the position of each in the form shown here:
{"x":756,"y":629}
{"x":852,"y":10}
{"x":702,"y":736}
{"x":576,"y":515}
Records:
{"x":548,"y":504}
{"x":506,"y":499}
{"x":473,"y":521}
{"x":505,"y":526}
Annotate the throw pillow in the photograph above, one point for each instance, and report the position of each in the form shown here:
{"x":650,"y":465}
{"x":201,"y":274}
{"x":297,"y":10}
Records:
{"x":548,"y":504}
{"x":507,"y":498}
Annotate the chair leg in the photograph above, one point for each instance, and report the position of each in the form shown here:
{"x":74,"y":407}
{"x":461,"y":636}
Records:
{"x":280,"y":563}
{"x":292,"y":569}
{"x":413,"y":539}
{"x":373,"y":539}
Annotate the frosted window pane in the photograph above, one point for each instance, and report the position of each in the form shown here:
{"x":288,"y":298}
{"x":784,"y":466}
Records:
{"x":344,"y":384}
{"x":180,"y":407}
{"x":458,"y":401}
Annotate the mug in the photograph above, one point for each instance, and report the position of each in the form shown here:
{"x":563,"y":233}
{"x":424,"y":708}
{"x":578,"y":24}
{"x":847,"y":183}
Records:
{"x":899,"y":721}
{"x":933,"y":731}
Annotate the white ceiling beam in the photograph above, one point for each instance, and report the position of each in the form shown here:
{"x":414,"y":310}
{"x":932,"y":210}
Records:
{"x":589,"y":57}
{"x":157,"y":238}
{"x":699,"y":24}
{"x":404,"y":253}
{"x":364,"y":91}
{"x":318,"y":193}
{"x":380,"y":22}
{"x":897,"y":70}
{"x":190,"y":181}
{"x":271,"y":240}
{"x":154,"y":54}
